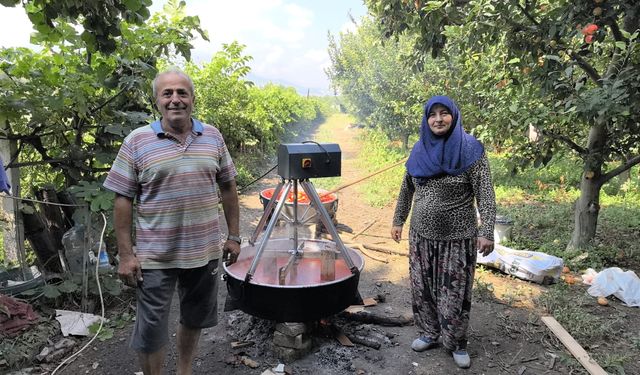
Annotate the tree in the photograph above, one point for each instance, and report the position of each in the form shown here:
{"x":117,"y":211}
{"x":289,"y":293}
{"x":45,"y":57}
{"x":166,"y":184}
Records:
{"x":381,"y":90}
{"x":99,"y":19}
{"x":581,"y":58}
{"x":69,"y":108}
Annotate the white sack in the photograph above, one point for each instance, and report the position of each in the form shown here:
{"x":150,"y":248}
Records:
{"x":524,"y":264}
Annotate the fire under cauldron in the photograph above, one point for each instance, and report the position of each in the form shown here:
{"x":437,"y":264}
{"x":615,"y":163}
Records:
{"x":296,"y":279}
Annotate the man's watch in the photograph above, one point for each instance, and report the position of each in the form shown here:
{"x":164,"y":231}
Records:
{"x":234,"y":238}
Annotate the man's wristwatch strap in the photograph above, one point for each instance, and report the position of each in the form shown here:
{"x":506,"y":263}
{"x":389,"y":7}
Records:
{"x":234,"y":238}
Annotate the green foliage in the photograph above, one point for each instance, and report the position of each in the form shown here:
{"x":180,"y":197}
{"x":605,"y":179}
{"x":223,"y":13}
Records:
{"x":481,"y":288}
{"x":105,"y":333}
{"x":100,"y":20}
{"x":377,"y":153}
{"x":377,"y":86}
{"x":540,"y":201}
{"x":92,"y":192}
{"x":249,"y":117}
{"x":568,"y":309}
{"x":109,"y":326}
{"x":515,"y":67}
{"x":18,"y":352}
{"x":71,"y":287}
{"x":68,"y":107}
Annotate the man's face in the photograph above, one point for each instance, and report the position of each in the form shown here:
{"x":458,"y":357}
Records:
{"x":174,"y":98}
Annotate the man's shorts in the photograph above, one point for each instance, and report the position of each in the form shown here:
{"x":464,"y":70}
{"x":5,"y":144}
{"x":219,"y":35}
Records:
{"x":198,"y":292}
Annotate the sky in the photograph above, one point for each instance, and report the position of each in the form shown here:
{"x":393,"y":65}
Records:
{"x":286,"y":38}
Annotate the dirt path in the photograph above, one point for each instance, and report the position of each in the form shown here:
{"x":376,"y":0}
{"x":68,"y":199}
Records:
{"x":504,"y":339}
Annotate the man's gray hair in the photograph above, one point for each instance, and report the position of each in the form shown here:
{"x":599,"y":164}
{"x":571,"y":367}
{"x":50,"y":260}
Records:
{"x":172,"y":70}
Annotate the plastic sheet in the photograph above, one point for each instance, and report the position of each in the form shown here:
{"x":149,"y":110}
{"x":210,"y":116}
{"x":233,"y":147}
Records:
{"x":624,"y":285}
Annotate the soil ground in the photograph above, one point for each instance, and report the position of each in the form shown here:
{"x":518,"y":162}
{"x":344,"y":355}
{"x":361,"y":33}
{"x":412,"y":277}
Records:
{"x":506,"y":334}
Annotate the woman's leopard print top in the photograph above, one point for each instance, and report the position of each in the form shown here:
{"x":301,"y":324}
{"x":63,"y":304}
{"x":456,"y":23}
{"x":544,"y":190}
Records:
{"x":443,"y":208}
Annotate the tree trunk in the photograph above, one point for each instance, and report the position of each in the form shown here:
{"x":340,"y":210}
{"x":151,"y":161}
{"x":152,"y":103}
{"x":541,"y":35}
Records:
{"x":587,"y":206}
{"x":54,"y":219}
{"x":586,"y":214}
{"x":405,"y":141}
{"x":9,"y":206}
{"x":41,"y":241}
{"x":67,"y":211}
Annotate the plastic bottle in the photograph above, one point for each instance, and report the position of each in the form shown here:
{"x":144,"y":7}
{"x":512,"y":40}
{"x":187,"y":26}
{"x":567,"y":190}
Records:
{"x":73,"y":243}
{"x":103,"y":257}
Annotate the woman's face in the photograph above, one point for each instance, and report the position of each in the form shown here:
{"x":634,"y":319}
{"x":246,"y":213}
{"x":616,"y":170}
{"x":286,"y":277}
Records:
{"x":439,"y":119}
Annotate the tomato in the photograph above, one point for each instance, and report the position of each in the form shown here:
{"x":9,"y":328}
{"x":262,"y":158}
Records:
{"x":590,"y":29}
{"x":302,"y":196}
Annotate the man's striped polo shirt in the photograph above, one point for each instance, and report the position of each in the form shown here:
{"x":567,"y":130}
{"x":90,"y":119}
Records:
{"x":177,"y":221}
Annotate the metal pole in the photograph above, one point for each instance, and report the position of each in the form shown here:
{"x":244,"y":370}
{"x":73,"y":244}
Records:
{"x":267,"y":212}
{"x":267,"y":233}
{"x":295,"y":215}
{"x":85,"y":255}
{"x":326,"y":220}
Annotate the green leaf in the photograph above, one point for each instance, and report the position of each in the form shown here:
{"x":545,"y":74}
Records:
{"x":133,"y":5}
{"x":9,"y":3}
{"x":621,"y":45}
{"x":68,"y":286}
{"x":50,"y":291}
{"x":515,"y":60}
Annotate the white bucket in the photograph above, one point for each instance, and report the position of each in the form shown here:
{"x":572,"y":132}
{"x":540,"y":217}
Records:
{"x":503,"y":228}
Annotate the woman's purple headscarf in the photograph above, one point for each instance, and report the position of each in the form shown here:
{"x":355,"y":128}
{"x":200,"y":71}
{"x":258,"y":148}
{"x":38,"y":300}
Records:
{"x":450,"y":154}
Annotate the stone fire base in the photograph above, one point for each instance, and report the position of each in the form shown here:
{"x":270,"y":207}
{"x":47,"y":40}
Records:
{"x":292,"y":341}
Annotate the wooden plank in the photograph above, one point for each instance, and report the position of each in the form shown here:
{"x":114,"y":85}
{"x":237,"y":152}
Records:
{"x":240,"y":344}
{"x":574,"y":348}
{"x":369,"y":302}
{"x":327,"y":265}
{"x":343,"y":339}
{"x":354,"y":309}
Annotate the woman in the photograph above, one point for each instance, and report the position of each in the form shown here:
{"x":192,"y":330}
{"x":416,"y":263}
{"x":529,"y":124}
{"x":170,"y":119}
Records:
{"x":446,"y":172}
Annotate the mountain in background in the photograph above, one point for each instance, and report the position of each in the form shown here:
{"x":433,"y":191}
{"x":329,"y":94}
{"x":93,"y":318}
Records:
{"x":314,"y":91}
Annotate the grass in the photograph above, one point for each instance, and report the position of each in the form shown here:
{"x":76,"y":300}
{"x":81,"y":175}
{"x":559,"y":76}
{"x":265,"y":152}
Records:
{"x":482,"y":288}
{"x":377,"y":153}
{"x":540,"y":201}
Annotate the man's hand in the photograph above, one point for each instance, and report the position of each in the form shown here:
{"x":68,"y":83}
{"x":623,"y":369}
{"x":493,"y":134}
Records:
{"x":230,"y":252}
{"x":396,"y":233}
{"x":484,"y":246}
{"x":129,"y":271}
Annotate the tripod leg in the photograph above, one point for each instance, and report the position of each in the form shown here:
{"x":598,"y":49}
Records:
{"x":328,"y":223}
{"x":267,"y":233}
{"x":267,"y":211}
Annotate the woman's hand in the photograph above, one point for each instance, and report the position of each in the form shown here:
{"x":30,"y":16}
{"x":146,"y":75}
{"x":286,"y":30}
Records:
{"x":396,"y":233}
{"x":484,"y":246}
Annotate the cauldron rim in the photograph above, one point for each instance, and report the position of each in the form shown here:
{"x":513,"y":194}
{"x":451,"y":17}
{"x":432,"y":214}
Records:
{"x":320,"y":192}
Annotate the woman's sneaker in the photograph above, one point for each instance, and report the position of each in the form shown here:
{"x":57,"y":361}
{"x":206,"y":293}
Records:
{"x":461,"y":358}
{"x":423,"y":343}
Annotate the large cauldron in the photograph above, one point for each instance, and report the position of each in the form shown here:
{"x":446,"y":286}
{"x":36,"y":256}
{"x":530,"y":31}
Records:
{"x":304,"y":296}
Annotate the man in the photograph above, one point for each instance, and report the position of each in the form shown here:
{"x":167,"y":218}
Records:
{"x":171,"y":168}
